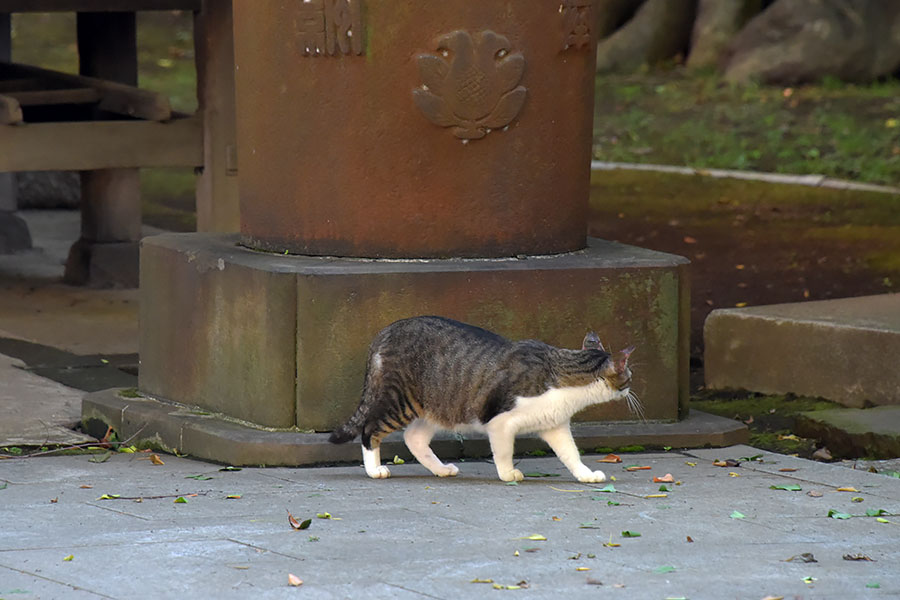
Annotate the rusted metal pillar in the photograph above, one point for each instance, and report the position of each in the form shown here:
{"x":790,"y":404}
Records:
{"x":107,"y":252}
{"x":451,"y":128}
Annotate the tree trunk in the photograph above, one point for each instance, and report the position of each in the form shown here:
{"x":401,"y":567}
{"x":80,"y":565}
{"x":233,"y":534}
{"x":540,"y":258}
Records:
{"x":716,"y":25}
{"x":612,"y":14}
{"x":658,"y":31}
{"x":796,"y":41}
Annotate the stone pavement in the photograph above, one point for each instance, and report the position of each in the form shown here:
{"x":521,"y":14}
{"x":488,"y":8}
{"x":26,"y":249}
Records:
{"x":416,"y":536}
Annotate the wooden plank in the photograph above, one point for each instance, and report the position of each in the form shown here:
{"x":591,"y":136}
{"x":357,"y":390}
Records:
{"x":49,"y":97}
{"x":97,"y":5}
{"x":117,"y":97}
{"x":10,"y":111}
{"x":218,"y":208}
{"x":79,"y":146}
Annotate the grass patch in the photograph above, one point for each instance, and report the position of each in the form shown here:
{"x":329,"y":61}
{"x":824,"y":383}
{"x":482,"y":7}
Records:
{"x":676,"y":117}
{"x":770,"y":418}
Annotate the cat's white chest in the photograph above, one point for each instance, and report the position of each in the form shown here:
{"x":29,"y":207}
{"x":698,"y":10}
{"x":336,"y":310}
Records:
{"x":556,"y":406}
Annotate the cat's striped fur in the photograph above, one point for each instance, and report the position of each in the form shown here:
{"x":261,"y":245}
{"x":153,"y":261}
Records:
{"x":432,"y":373}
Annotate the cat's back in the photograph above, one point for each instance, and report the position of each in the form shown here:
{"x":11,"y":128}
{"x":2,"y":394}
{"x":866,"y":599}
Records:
{"x":433,"y":332}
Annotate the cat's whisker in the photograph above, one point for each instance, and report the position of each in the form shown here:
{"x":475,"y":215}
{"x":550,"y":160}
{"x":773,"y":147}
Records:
{"x":635,"y":405}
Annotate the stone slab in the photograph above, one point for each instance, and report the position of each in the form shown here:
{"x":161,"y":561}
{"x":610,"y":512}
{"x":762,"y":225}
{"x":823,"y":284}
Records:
{"x":152,"y":423}
{"x":871,"y":432}
{"x":844,"y":350}
{"x":280,"y":341}
{"x":416,"y":536}
{"x":14,"y":234}
{"x":36,"y":411}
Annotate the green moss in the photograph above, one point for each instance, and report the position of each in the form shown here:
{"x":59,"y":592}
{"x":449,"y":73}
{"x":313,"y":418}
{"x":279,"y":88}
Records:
{"x":130,"y":393}
{"x":632,"y":448}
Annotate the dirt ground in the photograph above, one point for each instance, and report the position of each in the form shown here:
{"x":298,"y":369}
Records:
{"x":753,"y":243}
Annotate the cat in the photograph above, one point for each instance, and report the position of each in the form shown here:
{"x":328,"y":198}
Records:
{"x":430,"y":373}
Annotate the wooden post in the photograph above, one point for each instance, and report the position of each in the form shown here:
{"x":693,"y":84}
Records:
{"x":14,"y":235}
{"x":217,"y":193}
{"x":106,"y":255}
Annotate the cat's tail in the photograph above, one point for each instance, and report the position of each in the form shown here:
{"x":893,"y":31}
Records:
{"x":347,"y":431}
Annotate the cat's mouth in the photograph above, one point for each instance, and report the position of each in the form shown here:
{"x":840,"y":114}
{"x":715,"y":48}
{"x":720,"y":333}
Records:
{"x":619,"y":375}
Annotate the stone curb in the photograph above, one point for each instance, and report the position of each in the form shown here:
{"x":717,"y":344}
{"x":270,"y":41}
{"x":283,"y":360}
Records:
{"x":179,"y":429}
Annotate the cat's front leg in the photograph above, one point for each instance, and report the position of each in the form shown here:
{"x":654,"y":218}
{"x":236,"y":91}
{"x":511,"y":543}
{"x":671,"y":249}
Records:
{"x":560,"y":440}
{"x":503,"y":439}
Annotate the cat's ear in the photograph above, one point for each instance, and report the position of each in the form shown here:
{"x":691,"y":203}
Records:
{"x":591,"y":342}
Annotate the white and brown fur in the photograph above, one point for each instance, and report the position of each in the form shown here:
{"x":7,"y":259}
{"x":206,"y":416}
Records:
{"x":433,"y":373}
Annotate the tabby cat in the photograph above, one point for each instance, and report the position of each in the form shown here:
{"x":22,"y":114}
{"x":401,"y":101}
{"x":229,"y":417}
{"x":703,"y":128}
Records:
{"x":432,"y":373}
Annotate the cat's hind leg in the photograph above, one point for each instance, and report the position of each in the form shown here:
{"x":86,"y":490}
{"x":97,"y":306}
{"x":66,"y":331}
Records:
{"x":418,"y":436}
{"x":560,"y":440}
{"x":372,"y":463}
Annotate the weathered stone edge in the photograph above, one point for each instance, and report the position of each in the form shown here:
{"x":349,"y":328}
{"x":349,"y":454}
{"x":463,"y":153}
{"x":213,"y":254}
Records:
{"x":176,"y":429}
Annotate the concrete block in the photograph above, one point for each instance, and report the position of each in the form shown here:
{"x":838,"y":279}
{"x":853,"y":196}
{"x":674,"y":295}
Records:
{"x":845,"y":350}
{"x":280,"y":341}
{"x":853,"y":432}
{"x":216,"y":333}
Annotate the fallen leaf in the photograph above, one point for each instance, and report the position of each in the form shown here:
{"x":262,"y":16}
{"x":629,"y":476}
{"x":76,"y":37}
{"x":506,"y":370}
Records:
{"x":822,"y":454}
{"x":667,"y":478}
{"x":874,"y":585}
{"x":100,"y":458}
{"x":610,"y":458}
{"x":555,"y":519}
{"x":690,"y":464}
{"x":109,"y":496}
{"x":790,"y":437}
{"x":749,"y":420}
{"x":848,"y":489}
{"x":479,"y":580}
{"x":806,"y":557}
{"x":323,"y":515}
{"x":619,"y":585}
{"x":199,"y":477}
{"x":294,"y":580}
{"x":773,"y":598}
{"x":726,"y":463}
{"x":398,"y":461}
{"x":656,"y":496}
{"x":663,"y":488}
{"x":180,"y":500}
{"x":814,"y":493}
{"x":836,"y":514}
{"x":575,"y":556}
{"x":54,"y":500}
{"x":876,"y":512}
{"x":733,"y":474}
{"x":787,"y":470}
{"x":531,"y":549}
{"x":516,"y":553}
{"x":536,"y":474}
{"x":808,"y":579}
{"x":592,"y":581}
{"x":582,"y":568}
{"x":69,"y":558}
{"x":637,"y":468}
{"x":689,"y":540}
{"x":664,"y":569}
{"x":588,"y":526}
{"x":737,"y":515}
{"x":881,"y":520}
{"x":156,"y":460}
{"x":230,"y":469}
{"x":790,"y":487}
{"x":740,"y":304}
{"x":535,"y":537}
{"x":610,"y":488}
{"x":689,"y":240}
{"x":857,"y":499}
{"x":86,"y":487}
{"x":630,"y":534}
{"x":857,"y":557}
{"x":233,"y":497}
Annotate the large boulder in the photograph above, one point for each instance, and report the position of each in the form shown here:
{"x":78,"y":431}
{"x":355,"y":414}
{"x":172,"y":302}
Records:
{"x":48,"y":189}
{"x":796,"y":41}
{"x":716,"y":25}
{"x":659,"y":30}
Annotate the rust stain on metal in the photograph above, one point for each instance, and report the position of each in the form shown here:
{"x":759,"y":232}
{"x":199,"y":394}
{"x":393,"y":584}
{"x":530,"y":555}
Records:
{"x":577,"y":18}
{"x":337,"y":158}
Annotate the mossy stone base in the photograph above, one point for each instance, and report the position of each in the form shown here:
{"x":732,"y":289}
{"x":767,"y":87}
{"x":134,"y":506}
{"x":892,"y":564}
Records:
{"x":854,"y":432}
{"x":178,"y":429}
{"x":280,"y":341}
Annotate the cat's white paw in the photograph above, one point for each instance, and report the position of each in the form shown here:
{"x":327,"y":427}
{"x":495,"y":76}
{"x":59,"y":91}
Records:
{"x":514,"y":475}
{"x":379,"y":472}
{"x":447,"y":470}
{"x":592,"y":477}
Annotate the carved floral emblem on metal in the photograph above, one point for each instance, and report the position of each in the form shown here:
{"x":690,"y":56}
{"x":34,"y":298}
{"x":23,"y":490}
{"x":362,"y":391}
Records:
{"x":577,"y":18}
{"x":332,"y":27}
{"x":472,"y":84}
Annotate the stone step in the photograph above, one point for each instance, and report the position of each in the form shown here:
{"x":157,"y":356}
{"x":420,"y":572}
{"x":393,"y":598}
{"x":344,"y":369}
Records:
{"x":845,"y":350}
{"x":869,"y":432}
